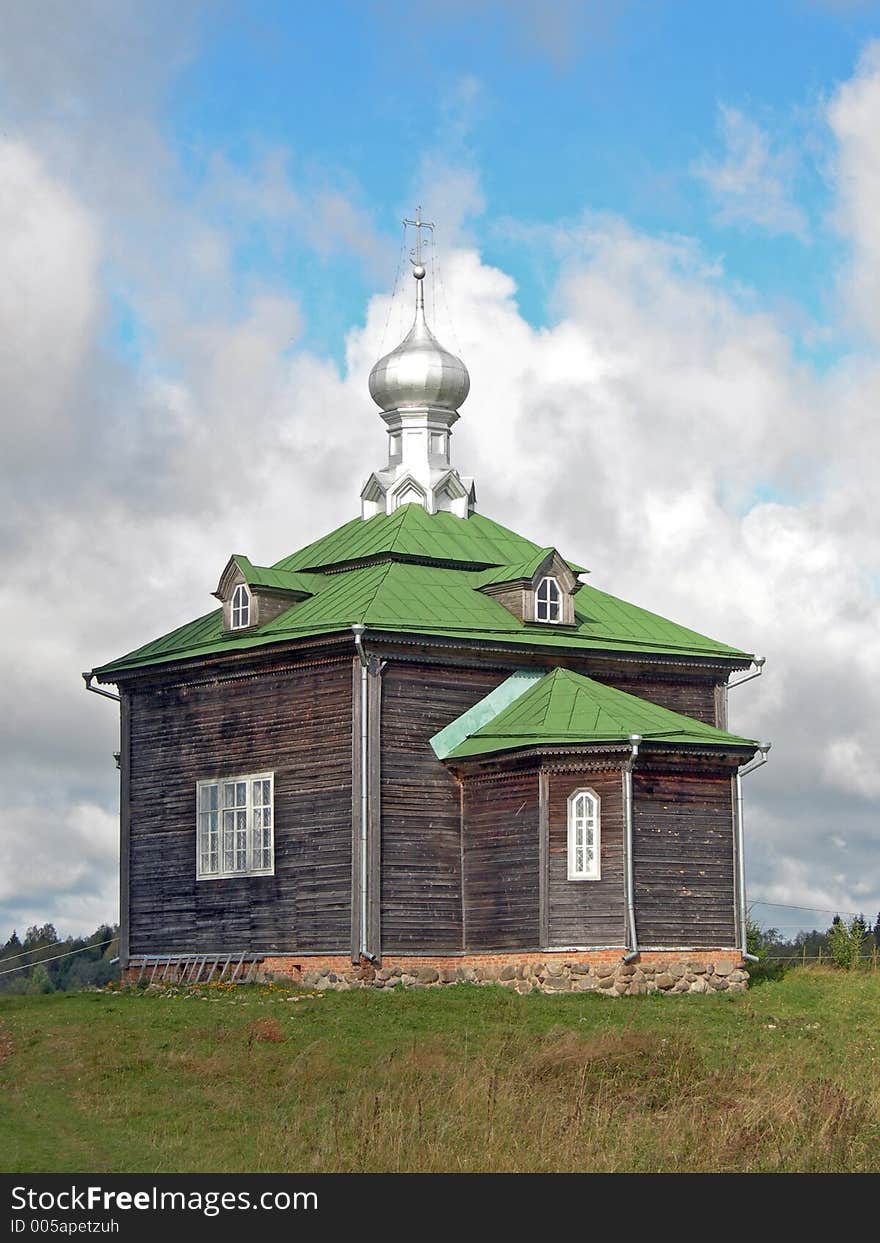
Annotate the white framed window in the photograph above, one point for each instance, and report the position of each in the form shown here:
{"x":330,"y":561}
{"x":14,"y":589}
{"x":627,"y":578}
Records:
{"x":584,"y":834}
{"x":234,"y":826}
{"x":394,"y":444}
{"x":548,"y":601}
{"x":240,"y":611}
{"x":438,"y":442}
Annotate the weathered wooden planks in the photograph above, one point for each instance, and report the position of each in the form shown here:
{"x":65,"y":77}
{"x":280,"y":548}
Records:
{"x":501,"y":862}
{"x":295,"y":723}
{"x":683,"y":859}
{"x":421,"y":809}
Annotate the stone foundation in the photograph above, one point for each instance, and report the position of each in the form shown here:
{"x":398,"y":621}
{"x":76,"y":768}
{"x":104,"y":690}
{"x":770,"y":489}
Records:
{"x":603,"y":972}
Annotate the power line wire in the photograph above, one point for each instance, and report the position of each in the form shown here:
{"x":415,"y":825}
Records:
{"x":36,"y":950}
{"x":24,"y":966}
{"x":817,"y":910}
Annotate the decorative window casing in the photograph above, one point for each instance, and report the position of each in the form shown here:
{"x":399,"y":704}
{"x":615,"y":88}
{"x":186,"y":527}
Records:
{"x":548,"y":601}
{"x":240,"y":608}
{"x":584,"y":835}
{"x":235,"y":826}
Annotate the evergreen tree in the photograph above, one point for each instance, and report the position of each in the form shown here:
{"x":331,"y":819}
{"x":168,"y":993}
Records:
{"x":40,"y":981}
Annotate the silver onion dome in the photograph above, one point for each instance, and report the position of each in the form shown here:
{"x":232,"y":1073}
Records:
{"x":419,"y":372}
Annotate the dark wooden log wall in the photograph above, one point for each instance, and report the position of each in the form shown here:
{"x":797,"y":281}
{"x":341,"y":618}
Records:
{"x":295,"y":723}
{"x":683,"y":859}
{"x":501,"y":862}
{"x":421,"y":805}
{"x":586,"y":912}
{"x":693,"y":692}
{"x":696,"y":699}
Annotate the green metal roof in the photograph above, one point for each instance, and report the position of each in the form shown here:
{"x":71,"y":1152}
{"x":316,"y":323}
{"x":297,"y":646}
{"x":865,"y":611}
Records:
{"x":434,"y":600}
{"x":412,"y":533}
{"x":565,"y":709}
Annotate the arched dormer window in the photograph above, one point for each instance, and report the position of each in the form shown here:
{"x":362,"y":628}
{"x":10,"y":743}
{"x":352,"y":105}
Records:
{"x":240,"y":612}
{"x":548,"y":601}
{"x":583,"y":835}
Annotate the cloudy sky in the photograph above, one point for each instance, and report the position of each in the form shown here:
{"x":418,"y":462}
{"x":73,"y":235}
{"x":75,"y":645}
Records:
{"x":660,"y":255}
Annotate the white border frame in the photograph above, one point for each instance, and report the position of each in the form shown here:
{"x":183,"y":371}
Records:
{"x":250,"y":871}
{"x":569,"y":835}
{"x":250,"y":607}
{"x":549,"y":621}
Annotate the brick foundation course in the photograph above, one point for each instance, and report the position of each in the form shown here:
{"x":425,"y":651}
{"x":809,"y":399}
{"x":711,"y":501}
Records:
{"x":599,"y":971}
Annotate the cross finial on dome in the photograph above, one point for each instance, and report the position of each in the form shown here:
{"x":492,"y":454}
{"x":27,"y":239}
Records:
{"x":418,"y":224}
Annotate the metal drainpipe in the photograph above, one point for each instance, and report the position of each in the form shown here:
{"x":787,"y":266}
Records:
{"x":358,"y":631}
{"x":96,"y":690}
{"x":633,"y":952}
{"x":759,"y":662}
{"x":763,"y":748}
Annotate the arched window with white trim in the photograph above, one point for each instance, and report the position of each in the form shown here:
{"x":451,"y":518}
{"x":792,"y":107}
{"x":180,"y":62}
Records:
{"x":548,"y":601}
{"x":583,"y":835}
{"x":240,"y":613}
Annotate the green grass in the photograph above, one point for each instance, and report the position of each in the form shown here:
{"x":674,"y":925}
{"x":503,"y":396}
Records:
{"x":784,"y":1077}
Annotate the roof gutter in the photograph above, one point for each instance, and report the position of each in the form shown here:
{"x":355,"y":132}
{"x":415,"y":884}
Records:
{"x":759,"y":662}
{"x":763,"y":749}
{"x":632,"y":953}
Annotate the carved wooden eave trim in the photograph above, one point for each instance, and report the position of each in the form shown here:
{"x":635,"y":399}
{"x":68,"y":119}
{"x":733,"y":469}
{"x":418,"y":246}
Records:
{"x":603,"y":757}
{"x":588,"y":757}
{"x":434,"y":649}
{"x":216,"y":664}
{"x":213,"y":678}
{"x":671,"y":661}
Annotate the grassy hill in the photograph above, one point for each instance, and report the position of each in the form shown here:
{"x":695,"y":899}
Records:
{"x":785,"y":1077}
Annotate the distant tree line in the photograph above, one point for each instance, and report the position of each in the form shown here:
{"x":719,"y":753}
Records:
{"x":46,"y":963}
{"x":845,"y":943}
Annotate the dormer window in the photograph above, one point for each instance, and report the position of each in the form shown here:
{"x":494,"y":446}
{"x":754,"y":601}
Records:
{"x":241,"y":608}
{"x":548,"y":601}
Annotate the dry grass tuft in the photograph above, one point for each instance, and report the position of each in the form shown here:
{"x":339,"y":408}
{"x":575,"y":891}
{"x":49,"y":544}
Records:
{"x":7,"y":1044}
{"x":269,"y":1030}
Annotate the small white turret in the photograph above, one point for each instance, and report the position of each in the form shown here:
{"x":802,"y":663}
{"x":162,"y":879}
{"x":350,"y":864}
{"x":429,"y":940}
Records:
{"x":419,"y":388}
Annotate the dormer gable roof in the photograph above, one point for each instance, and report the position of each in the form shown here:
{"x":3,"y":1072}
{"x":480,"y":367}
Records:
{"x":546,"y":562}
{"x":291,"y":583}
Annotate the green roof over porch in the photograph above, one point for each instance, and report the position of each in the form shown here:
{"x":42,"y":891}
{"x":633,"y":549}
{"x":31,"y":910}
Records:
{"x":565,"y":708}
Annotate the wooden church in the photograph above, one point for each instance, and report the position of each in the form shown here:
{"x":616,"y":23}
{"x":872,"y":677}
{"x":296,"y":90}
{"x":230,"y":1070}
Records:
{"x":422,"y":750}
